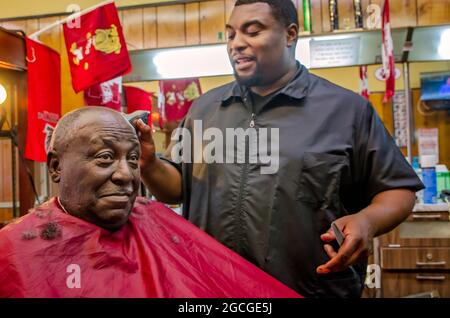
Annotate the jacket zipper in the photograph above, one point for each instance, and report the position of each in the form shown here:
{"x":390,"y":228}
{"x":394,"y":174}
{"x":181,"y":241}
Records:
{"x":252,"y":120}
{"x":240,"y":218}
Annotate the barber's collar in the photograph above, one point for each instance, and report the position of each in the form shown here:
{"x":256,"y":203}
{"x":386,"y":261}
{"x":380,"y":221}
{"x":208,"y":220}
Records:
{"x":297,"y":88}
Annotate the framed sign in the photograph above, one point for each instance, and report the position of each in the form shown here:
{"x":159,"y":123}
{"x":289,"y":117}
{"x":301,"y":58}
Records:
{"x":333,"y":53}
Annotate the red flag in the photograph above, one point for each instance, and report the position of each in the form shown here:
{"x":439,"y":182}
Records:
{"x":44,"y":98}
{"x":176,"y":97}
{"x":363,"y":83}
{"x":387,"y":54}
{"x":137,"y":99}
{"x":97,"y":50}
{"x":108,"y":94}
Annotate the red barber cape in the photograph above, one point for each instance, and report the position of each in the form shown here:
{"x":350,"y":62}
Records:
{"x":157,"y":253}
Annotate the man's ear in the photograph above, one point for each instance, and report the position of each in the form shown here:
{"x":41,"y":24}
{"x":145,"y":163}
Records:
{"x":54,"y":166}
{"x":292,"y":34}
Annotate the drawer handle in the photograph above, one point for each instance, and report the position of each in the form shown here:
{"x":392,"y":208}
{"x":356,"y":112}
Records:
{"x":438,"y":263}
{"x":425,"y":277}
{"x":426,"y":216}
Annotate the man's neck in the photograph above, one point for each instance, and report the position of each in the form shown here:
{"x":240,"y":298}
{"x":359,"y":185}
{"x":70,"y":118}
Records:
{"x":279,"y":83}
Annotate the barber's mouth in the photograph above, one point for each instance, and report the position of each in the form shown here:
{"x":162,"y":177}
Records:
{"x":241,"y":64}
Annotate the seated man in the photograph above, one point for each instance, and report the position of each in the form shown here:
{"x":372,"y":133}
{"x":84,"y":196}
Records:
{"x":98,"y":240}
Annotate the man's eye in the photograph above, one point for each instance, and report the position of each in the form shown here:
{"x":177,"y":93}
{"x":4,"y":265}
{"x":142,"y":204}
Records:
{"x":105,"y":157}
{"x":230,"y":36}
{"x":252,"y":33}
{"x":134,"y":157}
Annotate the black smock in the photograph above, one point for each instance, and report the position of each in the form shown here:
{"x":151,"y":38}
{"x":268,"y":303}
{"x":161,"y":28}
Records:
{"x":335,"y":156}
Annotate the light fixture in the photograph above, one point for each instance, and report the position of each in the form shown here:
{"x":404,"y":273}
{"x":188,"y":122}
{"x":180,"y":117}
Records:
{"x":208,"y":60}
{"x":193,"y":62}
{"x":3,"y":94}
{"x":444,"y":44}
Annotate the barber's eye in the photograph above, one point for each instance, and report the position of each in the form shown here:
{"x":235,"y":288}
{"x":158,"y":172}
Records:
{"x":253,"y":32}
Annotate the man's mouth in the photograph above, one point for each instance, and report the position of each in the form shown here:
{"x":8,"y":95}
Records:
{"x":117,"y":197}
{"x":116,"y":194}
{"x":243,"y":62}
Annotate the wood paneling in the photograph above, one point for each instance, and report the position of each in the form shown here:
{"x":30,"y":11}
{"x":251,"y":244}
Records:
{"x":438,"y":119}
{"x":402,"y":284}
{"x":433,"y":12}
{"x":5,"y":215}
{"x":150,"y":29}
{"x":412,"y":265}
{"x":5,"y":166}
{"x":171,"y":25}
{"x":316,"y":16}
{"x":12,"y":50}
{"x":192,"y":23}
{"x":346,"y":13}
{"x":28,"y":25}
{"x":52,"y":37}
{"x":403,"y":13}
{"x":299,"y":5}
{"x":415,"y":258}
{"x":325,"y":11}
{"x":229,"y":5}
{"x":133,"y":28}
{"x":212,"y":22}
{"x":383,"y":110}
{"x":70,"y":100}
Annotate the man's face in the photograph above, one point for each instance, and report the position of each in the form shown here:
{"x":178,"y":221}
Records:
{"x":99,"y":171}
{"x":257,"y":45}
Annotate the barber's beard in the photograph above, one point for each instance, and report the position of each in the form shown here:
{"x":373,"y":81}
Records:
{"x":252,"y":80}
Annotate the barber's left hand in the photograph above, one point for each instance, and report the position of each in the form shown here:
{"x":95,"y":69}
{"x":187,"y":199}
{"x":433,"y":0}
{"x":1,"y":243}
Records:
{"x":357,"y":243}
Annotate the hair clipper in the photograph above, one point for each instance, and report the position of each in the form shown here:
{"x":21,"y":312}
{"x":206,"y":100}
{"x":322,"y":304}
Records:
{"x":138,"y":114}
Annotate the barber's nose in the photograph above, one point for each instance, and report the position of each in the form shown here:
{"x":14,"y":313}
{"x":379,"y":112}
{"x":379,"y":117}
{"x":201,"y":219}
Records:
{"x":237,"y":43}
{"x":123,"y":173}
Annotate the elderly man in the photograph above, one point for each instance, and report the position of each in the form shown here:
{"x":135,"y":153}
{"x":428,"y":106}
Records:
{"x":97,"y":240}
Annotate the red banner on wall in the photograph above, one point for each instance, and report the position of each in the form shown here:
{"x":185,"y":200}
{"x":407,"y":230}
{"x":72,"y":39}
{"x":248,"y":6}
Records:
{"x":387,"y":54}
{"x":137,"y":99}
{"x":96,"y":48}
{"x":44,"y":98}
{"x":176,"y":97}
{"x":363,"y":82}
{"x":107,"y":94}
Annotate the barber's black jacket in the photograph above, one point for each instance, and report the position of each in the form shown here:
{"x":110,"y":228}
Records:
{"x":335,"y":156}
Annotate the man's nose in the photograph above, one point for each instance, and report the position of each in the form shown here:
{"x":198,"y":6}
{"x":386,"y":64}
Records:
{"x":123,"y":173}
{"x":238,"y":43}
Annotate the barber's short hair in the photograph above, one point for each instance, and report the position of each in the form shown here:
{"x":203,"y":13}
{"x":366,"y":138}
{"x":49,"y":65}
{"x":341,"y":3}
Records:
{"x":283,"y":11}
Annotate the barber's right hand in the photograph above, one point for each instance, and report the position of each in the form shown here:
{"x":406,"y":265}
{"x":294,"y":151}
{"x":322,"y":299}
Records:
{"x":148,"y":153}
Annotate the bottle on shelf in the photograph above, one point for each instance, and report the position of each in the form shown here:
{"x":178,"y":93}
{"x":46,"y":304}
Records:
{"x":415,"y":165}
{"x":428,"y":165}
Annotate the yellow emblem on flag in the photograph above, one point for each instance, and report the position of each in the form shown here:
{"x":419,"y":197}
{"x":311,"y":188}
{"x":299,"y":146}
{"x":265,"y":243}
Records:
{"x":191,"y":92}
{"x":107,"y":40}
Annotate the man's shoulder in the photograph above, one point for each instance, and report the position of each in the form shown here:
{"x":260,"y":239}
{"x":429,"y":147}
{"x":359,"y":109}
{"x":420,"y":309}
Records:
{"x":322,"y":86}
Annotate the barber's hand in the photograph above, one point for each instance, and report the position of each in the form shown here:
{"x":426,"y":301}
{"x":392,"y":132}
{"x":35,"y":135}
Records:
{"x":358,"y":235}
{"x":148,"y":153}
